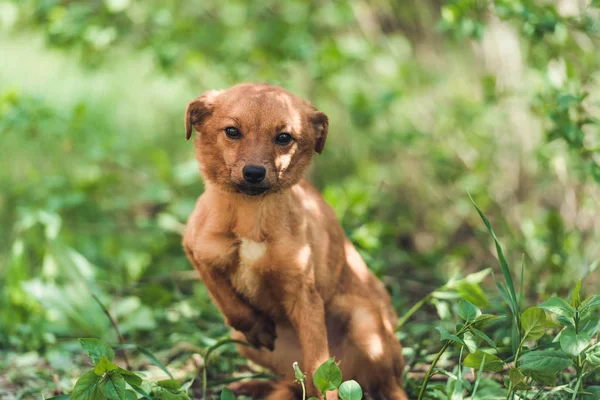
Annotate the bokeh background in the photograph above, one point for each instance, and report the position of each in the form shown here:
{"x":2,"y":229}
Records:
{"x":428,"y":101}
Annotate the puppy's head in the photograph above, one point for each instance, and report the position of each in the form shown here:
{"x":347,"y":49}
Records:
{"x":255,"y":138}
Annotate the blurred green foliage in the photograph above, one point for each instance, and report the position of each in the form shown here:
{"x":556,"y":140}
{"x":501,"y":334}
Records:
{"x":427,"y":101}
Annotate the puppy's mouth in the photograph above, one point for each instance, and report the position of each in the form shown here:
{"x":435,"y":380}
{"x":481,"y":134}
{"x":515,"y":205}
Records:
{"x":251,"y":190}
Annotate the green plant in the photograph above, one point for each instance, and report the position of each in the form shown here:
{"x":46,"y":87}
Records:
{"x":328,"y":377}
{"x":109,"y":381}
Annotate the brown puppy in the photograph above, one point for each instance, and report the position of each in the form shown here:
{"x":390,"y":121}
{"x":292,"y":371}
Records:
{"x":271,"y":251}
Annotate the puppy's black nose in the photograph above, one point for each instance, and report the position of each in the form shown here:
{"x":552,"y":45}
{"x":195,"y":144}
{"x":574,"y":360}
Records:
{"x":254,"y":173}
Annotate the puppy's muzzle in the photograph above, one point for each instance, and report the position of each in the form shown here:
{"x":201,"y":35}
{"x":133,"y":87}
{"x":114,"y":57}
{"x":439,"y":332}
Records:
{"x":254,"y":175}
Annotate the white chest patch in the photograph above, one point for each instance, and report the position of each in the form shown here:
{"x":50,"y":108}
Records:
{"x":247,"y":278}
{"x":251,"y":251}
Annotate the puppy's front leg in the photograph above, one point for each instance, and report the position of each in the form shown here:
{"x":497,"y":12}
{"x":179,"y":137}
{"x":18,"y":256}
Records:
{"x":306,"y":312}
{"x":259,"y":329}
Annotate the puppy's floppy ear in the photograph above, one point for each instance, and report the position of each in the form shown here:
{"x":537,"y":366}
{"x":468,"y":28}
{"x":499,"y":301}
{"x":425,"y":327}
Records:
{"x":321,"y":125}
{"x":198,"y":109}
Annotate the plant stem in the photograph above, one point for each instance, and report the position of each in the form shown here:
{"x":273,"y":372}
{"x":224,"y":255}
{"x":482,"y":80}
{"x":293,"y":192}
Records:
{"x":436,"y":359}
{"x":115,"y":327}
{"x":414,"y":309}
{"x":430,"y":370}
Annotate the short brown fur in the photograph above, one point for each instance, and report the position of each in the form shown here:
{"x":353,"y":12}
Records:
{"x":278,"y":264}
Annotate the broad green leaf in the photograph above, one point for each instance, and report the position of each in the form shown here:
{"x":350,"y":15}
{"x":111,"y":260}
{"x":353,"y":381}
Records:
{"x":328,"y":376}
{"x":575,"y":300}
{"x":312,"y":398}
{"x":518,"y":380}
{"x":130,"y":377}
{"x":483,"y":336}
{"x":573,"y":343}
{"x":485,"y":319}
{"x":227,"y":394}
{"x":510,"y":287}
{"x":533,"y":323}
{"x":161,"y":393}
{"x":350,"y":390}
{"x":472,"y":292}
{"x":113,"y":386}
{"x":546,"y":378}
{"x":87,"y":388}
{"x":468,"y":311}
{"x":470,"y":342}
{"x":491,"y":364}
{"x":445,"y":335}
{"x":95,"y":349}
{"x":591,"y":393}
{"x":130,"y":395}
{"x":593,"y":356}
{"x":550,"y":361}
{"x":590,"y":303}
{"x":172,"y":384}
{"x":558,"y":306}
{"x":104,"y":365}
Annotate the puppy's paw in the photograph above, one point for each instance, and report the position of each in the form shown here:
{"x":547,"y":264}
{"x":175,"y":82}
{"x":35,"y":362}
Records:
{"x":262,"y":333}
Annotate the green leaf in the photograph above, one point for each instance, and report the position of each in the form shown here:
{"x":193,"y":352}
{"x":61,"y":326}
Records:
{"x":593,"y":356}
{"x":503,"y":264}
{"x":130,"y":395}
{"x":533,"y":323}
{"x":504,"y":295}
{"x":591,"y":393}
{"x":227,"y":394}
{"x":350,"y":390}
{"x":485,"y":337}
{"x":573,"y":343}
{"x":470,"y":342}
{"x":104,"y":365}
{"x":155,"y":361}
{"x":113,"y":386}
{"x":558,"y":306}
{"x":87,"y":388}
{"x":445,"y":335}
{"x":141,"y":391}
{"x":545,"y":378}
{"x":95,"y":349}
{"x":312,"y":398}
{"x":468,"y":311}
{"x":518,"y":380}
{"x":575,"y":300}
{"x":485,"y":319}
{"x":161,"y":393}
{"x":491,"y":364}
{"x":328,"y":376}
{"x":130,"y":377}
{"x":550,"y":361}
{"x":589,"y":303}
{"x":172,"y":384}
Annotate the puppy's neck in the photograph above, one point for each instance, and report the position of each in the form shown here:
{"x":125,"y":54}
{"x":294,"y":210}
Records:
{"x":250,"y":216}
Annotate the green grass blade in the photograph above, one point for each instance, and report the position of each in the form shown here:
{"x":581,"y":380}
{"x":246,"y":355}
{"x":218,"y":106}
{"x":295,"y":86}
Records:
{"x":503,"y":264}
{"x":154,"y":360}
{"x":504,"y":294}
{"x":520,"y":305}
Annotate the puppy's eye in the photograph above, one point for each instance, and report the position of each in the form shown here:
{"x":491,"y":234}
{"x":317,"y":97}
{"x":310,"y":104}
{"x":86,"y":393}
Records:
{"x":233,"y":133}
{"x":283,"y":139}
